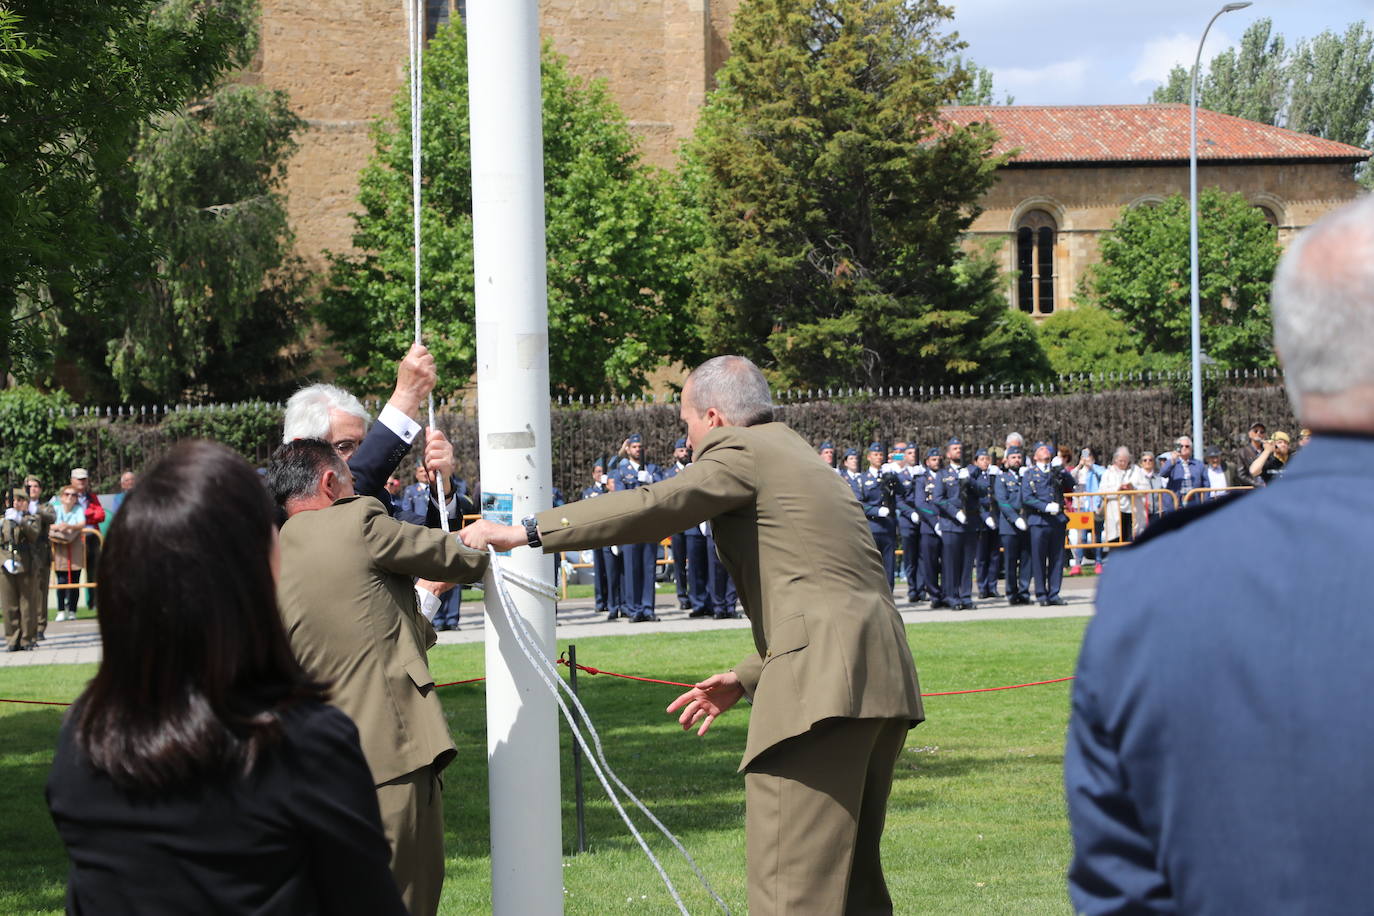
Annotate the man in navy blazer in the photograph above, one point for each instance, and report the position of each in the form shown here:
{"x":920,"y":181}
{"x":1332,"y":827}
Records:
{"x":1220,"y":745}
{"x":1181,"y":472}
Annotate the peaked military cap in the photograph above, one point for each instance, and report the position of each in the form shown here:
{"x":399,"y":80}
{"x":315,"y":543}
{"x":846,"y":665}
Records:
{"x":681,"y":443}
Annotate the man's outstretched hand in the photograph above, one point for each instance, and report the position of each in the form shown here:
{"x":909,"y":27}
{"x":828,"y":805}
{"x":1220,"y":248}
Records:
{"x":482,"y":533}
{"x":708,"y":699}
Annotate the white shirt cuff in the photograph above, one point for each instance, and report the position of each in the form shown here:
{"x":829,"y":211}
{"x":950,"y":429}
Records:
{"x":429,"y":602}
{"x":399,"y":423}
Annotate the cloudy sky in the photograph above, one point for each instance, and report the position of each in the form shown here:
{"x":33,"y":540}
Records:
{"x":1074,"y":52}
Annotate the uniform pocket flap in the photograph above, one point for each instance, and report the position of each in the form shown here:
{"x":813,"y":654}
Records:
{"x":419,"y":673}
{"x":787,"y":635}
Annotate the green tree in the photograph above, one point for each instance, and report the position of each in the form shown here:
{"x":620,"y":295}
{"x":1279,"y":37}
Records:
{"x":835,"y":199}
{"x":79,"y":79}
{"x":1249,"y":83}
{"x":1143,"y":278}
{"x":978,"y":89}
{"x":1091,"y":339}
{"x":616,"y":285}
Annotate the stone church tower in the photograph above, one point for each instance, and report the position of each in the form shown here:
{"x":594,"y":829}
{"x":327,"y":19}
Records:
{"x":343,"y":61}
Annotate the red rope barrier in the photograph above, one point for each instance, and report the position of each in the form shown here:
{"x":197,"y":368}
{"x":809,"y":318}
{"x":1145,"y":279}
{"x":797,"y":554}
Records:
{"x":650,"y":680}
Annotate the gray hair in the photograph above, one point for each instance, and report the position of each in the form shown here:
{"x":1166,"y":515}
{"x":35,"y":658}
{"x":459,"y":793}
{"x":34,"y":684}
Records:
{"x":1121,"y":450}
{"x":1323,"y":302}
{"x":307,"y":413}
{"x":734,"y":386}
{"x":1015,"y":439}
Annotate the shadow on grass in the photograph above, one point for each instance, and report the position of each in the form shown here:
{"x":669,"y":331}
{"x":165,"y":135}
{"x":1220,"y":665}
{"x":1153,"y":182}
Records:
{"x":33,"y":868}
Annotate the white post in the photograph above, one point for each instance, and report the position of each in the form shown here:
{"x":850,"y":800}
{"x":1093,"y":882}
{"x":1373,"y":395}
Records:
{"x":513,"y":428}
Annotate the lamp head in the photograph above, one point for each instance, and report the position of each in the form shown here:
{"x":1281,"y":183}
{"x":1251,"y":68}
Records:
{"x":1232,"y":7}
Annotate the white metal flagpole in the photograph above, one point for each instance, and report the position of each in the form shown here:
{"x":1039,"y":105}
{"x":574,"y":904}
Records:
{"x":513,"y":430}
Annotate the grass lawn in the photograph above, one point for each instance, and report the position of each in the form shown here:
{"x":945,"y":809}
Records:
{"x":976,"y":823}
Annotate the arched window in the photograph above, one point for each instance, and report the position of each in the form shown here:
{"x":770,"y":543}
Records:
{"x":1269,"y":215}
{"x":1035,"y":238}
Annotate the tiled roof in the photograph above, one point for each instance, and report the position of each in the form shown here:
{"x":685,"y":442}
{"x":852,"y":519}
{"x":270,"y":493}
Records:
{"x":1140,"y":133}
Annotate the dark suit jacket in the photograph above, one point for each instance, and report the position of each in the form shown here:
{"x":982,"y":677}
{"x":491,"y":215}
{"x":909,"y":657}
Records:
{"x":1220,"y":746}
{"x":377,"y":457}
{"x":348,"y":601}
{"x":301,"y":835}
{"x":829,"y":640}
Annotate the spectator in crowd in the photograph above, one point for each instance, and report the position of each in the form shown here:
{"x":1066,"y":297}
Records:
{"x":1218,"y":750}
{"x":348,"y":596}
{"x":923,"y":499}
{"x":126,"y":484}
{"x":42,"y":551}
{"x":1063,"y":457}
{"x":1154,"y":501}
{"x":127,"y":481}
{"x":1014,"y":439}
{"x":1181,"y":471}
{"x":907,"y":478}
{"x":1042,"y":498}
{"x":393,"y":487}
{"x":1012,"y":530}
{"x":957,"y":503}
{"x":1254,"y":444}
{"x":678,"y":542}
{"x":987,"y":545}
{"x":827,"y":453}
{"x":1218,"y":476}
{"x":20,"y":532}
{"x":639,"y":560}
{"x":69,"y":548}
{"x":94,"y":513}
{"x":1087,"y":475}
{"x":1304,"y":437}
{"x":1271,"y":462}
{"x":202,"y":770}
{"x":1121,"y":514}
{"x":875,"y":490}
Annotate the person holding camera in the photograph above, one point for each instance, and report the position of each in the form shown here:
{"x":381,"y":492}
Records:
{"x":1272,"y":460}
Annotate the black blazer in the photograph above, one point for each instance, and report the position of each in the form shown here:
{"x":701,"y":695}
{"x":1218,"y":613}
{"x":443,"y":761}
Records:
{"x":301,"y":835}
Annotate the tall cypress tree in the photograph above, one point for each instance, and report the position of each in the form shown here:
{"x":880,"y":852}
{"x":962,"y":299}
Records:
{"x":835,"y":198}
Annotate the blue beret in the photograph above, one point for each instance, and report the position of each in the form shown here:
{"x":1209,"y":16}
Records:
{"x":826,"y":444}
{"x":681,"y":443}
{"x":1013,"y":450}
{"x":953,"y":440}
{"x":980,"y":453}
{"x":851,"y":451}
{"x":635,"y":437}
{"x":932,"y":453}
{"x":1040,"y":445}
{"x":875,"y":446}
{"x":598,"y":464}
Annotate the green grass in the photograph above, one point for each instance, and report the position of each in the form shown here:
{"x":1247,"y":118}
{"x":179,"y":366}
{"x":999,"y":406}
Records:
{"x":976,"y":823}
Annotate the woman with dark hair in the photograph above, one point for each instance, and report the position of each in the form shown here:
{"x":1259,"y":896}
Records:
{"x":201,"y":771}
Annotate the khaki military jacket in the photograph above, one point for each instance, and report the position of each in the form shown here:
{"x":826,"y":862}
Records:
{"x":829,"y":640}
{"x":17,"y":540}
{"x":349,"y":605}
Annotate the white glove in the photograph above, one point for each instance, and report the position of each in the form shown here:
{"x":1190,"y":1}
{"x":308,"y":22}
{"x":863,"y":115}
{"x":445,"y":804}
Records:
{"x":883,"y":511}
{"x":604,"y":480}
{"x":1056,"y":461}
{"x":937,"y":529}
{"x":915,"y":519}
{"x":704,"y":527}
{"x":963,"y":473}
{"x":644,"y":477}
{"x":1020,"y":524}
{"x":991,"y":522}
{"x":960,"y":516}
{"x":429,"y":602}
{"x":994,"y":470}
{"x":615,"y":551}
{"x":1052,"y":509}
{"x":12,"y":514}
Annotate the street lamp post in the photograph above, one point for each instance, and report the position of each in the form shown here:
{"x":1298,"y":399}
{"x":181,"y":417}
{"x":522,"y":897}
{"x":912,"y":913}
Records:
{"x":1192,"y":232}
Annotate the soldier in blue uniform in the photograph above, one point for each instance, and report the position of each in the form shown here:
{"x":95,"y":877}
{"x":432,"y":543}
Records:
{"x":606,"y":583}
{"x":690,"y":566}
{"x":957,"y":502}
{"x":639,"y":559}
{"x":875,"y":491}
{"x":1011,"y":527}
{"x":721,"y":587}
{"x":910,"y":475}
{"x":922,"y":494}
{"x":1042,"y":499}
{"x":849,"y":469}
{"x":827,"y":452}
{"x":987,"y":547}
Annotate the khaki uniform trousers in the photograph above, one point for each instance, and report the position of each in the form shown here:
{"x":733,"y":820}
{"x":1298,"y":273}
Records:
{"x":413,"y":819}
{"x":815,"y":807}
{"x":42,"y":576}
{"x":19,"y":599}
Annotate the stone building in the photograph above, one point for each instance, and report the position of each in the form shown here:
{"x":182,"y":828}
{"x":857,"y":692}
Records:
{"x":1076,"y":168}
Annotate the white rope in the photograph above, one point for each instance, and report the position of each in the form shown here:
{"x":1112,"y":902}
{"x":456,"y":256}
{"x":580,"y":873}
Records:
{"x":548,"y":673}
{"x":415,"y":28}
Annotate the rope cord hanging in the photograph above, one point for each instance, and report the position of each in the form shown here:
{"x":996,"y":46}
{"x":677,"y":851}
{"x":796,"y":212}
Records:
{"x":596,"y":754}
{"x":415,"y":25}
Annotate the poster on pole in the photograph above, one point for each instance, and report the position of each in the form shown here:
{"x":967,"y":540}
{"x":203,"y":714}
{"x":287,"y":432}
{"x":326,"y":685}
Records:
{"x":498,"y":507}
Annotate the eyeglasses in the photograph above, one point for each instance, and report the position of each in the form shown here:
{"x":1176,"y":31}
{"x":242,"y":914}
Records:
{"x":345,"y":447}
{"x":68,"y":492}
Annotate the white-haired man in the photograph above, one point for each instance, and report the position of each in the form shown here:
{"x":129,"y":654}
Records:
{"x":832,"y":680}
{"x":374,"y":450}
{"x":1219,"y":745}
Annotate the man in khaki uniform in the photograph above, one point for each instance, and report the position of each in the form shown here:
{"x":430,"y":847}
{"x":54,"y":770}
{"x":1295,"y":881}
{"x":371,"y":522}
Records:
{"x":832,"y":682}
{"x":348,"y":599}
{"x":20,"y":533}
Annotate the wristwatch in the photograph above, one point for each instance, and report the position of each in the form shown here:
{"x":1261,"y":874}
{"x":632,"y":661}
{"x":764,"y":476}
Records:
{"x":531,"y":531}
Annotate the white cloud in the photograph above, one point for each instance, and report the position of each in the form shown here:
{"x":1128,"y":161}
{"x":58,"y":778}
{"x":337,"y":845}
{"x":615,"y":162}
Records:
{"x":1066,"y":76}
{"x":1160,"y":55}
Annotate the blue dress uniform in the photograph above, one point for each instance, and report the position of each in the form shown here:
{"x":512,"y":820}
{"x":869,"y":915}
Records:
{"x":1006,"y":493}
{"x":909,"y":530}
{"x":606,"y":586}
{"x":874,"y":489}
{"x":1041,"y":487}
{"x":922,"y":495}
{"x":638,"y":560}
{"x":987,"y":546}
{"x":691,"y":571}
{"x":954,"y":494}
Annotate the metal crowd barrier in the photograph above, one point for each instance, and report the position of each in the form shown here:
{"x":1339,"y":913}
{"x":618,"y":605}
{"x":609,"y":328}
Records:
{"x":89,"y":583}
{"x":1196,"y":491}
{"x":1090,"y":522}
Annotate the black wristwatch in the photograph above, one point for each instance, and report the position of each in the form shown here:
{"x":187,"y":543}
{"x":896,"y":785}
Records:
{"x":531,"y":531}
